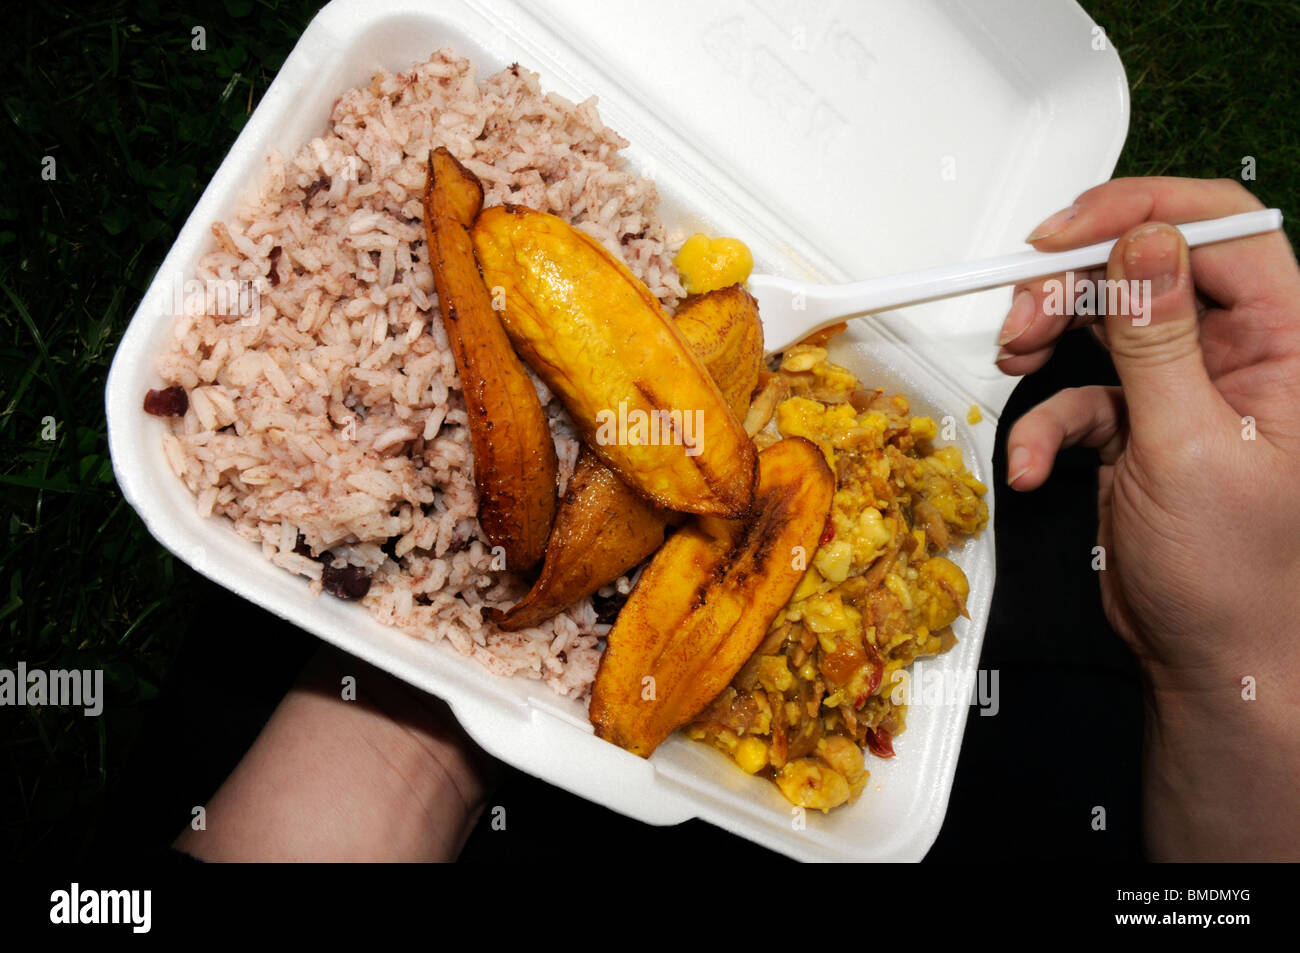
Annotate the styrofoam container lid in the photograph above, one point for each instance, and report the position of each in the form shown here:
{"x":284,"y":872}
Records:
{"x":839,"y":140}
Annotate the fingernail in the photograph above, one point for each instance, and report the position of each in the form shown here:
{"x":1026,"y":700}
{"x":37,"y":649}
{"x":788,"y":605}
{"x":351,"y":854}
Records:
{"x":1054,"y":223}
{"x":1152,"y":255}
{"x":1017,"y":464}
{"x":1019,"y":318}
{"x":1002,"y":355}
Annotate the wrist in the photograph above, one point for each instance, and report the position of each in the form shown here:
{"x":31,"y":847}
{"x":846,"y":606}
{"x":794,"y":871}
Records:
{"x":1220,"y":654}
{"x":432,"y":778}
{"x":386,"y":775}
{"x":1221,"y":764}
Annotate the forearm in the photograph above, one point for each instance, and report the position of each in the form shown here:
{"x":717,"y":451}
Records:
{"x":384,"y":777}
{"x":1222,"y":772}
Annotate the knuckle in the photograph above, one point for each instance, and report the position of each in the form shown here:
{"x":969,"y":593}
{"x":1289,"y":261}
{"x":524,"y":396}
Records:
{"x":1237,"y":193}
{"x":1103,"y":189}
{"x":1157,"y":343}
{"x":1076,"y":403}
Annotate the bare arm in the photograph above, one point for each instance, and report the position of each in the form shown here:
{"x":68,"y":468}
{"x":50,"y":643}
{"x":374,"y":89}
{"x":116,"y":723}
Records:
{"x":386,"y":777}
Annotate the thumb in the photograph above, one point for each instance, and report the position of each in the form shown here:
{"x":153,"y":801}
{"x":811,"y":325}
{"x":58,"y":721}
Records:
{"x":1154,"y":334}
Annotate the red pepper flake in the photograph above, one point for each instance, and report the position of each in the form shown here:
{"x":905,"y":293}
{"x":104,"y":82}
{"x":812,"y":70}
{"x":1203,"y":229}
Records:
{"x":168,"y":402}
{"x":828,"y":533}
{"x":877,"y":670}
{"x":274,"y":274}
{"x":350,"y":582}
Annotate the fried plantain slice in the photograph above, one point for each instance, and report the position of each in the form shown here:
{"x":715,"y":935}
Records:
{"x":514,"y":455}
{"x":725,"y":332}
{"x":602,"y":341}
{"x":603,"y":528}
{"x":707,"y":599}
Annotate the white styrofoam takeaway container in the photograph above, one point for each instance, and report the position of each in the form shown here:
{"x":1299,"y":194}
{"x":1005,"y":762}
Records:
{"x":840,"y":140}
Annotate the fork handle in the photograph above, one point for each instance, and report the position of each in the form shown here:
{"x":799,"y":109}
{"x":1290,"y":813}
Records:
{"x":930,"y":284}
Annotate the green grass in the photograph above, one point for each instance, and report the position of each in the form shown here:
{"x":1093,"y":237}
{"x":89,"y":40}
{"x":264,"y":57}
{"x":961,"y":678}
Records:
{"x":136,"y":122}
{"x":1212,"y":81}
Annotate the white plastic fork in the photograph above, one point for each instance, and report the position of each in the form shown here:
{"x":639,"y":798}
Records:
{"x":792,"y":310}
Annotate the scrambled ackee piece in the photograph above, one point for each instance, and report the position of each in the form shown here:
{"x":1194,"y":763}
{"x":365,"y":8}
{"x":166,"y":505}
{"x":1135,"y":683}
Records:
{"x":877,"y":593}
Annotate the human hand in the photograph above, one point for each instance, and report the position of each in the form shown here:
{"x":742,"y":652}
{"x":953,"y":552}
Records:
{"x":1200,"y":457}
{"x":1201,"y":524}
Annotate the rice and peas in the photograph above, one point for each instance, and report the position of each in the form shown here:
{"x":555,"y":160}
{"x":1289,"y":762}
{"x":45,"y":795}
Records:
{"x":330,"y":428}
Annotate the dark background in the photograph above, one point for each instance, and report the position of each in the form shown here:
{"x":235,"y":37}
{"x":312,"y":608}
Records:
{"x":138,"y":122}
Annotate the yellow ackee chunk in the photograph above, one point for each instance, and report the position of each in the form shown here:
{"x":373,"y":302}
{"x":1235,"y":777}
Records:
{"x":826,"y":612}
{"x":841,"y":425}
{"x":946,"y":588}
{"x":842,"y":755}
{"x":832,"y":378}
{"x":833,"y":562}
{"x":861,"y":534}
{"x":946,"y":459}
{"x":808,"y":585}
{"x":923,"y":427}
{"x":801,"y":417}
{"x":809,"y":783}
{"x":953,"y":490}
{"x":707,"y":264}
{"x":751,"y":755}
{"x":774,"y":674}
{"x":832,"y":428}
{"x":875,"y":420}
{"x":872,"y":536}
{"x":899,"y":588}
{"x":802,"y":357}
